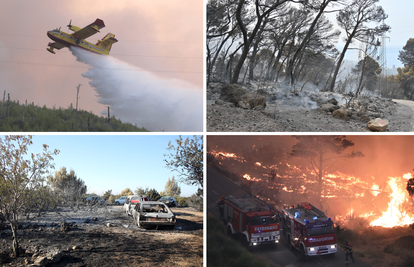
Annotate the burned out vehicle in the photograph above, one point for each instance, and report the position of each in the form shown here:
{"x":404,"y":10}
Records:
{"x":131,"y":201}
{"x":153,"y":214}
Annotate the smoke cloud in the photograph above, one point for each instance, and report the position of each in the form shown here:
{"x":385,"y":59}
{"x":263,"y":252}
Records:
{"x":140,"y":97}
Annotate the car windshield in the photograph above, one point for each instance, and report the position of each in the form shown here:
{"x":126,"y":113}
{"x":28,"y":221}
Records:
{"x":263,"y":220}
{"x":164,"y":198}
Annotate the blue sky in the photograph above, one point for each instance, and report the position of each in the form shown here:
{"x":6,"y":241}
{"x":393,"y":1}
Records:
{"x":114,"y":161}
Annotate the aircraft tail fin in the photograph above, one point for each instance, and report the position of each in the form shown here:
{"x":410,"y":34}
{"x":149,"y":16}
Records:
{"x":106,"y":43}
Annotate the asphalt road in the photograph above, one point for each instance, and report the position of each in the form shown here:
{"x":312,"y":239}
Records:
{"x":218,"y":185}
{"x":407,"y":103}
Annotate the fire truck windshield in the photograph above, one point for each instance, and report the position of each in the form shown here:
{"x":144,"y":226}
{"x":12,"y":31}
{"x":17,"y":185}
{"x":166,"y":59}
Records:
{"x":314,"y":230}
{"x":263,"y":220}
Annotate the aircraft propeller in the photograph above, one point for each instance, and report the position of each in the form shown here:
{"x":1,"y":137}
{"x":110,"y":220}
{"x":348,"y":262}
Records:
{"x":70,"y":24}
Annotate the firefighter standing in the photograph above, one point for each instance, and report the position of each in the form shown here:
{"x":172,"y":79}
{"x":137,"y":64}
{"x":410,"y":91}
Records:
{"x":220,"y":207}
{"x":348,"y":252}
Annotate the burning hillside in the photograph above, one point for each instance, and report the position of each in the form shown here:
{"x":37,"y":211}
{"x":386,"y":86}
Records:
{"x":382,"y":202}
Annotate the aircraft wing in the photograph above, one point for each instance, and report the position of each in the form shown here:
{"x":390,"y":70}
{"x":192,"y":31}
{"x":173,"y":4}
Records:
{"x":89,"y":30}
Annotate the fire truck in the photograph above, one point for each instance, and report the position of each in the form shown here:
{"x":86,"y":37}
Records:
{"x":309,"y":230}
{"x":252,"y":220}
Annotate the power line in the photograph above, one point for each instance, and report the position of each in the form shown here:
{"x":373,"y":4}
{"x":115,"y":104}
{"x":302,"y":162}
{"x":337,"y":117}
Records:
{"x":114,"y":69}
{"x":112,"y":54}
{"x":122,"y":40}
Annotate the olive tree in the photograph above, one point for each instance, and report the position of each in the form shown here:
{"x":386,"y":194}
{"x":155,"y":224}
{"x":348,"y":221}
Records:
{"x":187,"y":159}
{"x":22,"y":179}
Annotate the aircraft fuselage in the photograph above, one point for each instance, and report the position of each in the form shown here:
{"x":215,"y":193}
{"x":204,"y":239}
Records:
{"x":68,"y":40}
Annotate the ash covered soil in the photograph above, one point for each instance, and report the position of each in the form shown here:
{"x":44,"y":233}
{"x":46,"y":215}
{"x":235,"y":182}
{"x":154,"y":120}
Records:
{"x":90,"y":241}
{"x":304,"y":110}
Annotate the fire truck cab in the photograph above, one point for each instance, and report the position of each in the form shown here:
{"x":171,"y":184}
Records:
{"x":309,"y":230}
{"x":255,"y":222}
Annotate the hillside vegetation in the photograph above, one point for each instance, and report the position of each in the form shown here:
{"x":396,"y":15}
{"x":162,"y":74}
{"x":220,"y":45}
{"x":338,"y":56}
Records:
{"x":29,"y":118}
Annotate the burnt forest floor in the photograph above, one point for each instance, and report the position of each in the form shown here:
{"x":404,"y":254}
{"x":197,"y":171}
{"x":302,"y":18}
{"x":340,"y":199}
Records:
{"x":291,"y":112}
{"x":111,"y":240}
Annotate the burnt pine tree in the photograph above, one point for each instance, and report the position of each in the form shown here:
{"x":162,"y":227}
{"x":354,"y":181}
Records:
{"x":21,"y":179}
{"x":357,"y":20}
{"x":322,"y":152}
{"x":262,"y":12}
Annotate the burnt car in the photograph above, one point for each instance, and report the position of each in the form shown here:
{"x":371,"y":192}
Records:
{"x":169,"y":201}
{"x":132,"y":201}
{"x":153,"y":214}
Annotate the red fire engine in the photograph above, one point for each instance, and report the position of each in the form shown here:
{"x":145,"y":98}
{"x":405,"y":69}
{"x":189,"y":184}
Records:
{"x":255,"y":222}
{"x":309,"y":230}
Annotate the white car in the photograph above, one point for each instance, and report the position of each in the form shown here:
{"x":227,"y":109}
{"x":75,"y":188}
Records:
{"x":120,"y":200}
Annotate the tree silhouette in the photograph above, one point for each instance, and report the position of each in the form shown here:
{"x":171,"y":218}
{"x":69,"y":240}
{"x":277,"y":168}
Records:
{"x":322,"y":152}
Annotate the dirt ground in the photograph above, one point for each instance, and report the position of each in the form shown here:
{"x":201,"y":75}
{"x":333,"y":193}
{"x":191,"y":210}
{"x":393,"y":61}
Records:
{"x":91,"y":242}
{"x":296,"y":114}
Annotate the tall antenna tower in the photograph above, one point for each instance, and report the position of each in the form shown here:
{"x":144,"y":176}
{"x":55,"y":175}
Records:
{"x":382,"y":57}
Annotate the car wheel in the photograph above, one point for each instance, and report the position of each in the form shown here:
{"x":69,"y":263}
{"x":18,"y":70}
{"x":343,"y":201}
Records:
{"x":117,"y":203}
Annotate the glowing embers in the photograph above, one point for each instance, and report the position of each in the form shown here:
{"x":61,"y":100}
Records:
{"x":248,"y":178}
{"x":227,"y":155}
{"x":396,"y":215}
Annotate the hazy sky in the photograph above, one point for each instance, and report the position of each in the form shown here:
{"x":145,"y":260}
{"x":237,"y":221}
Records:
{"x":402,"y":28}
{"x":114,"y":162}
{"x":385,"y":155}
{"x":164,"y":37}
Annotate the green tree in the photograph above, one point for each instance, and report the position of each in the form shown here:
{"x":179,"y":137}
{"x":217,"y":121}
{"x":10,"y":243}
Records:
{"x":405,"y":78}
{"x":126,"y":192}
{"x":67,"y":187}
{"x":322,"y":152}
{"x":107,"y":194}
{"x":153,"y":194}
{"x":171,"y":188}
{"x":406,"y":56}
{"x":21,"y":178}
{"x":186,"y":158}
{"x":111,"y":199}
{"x":141,"y":191}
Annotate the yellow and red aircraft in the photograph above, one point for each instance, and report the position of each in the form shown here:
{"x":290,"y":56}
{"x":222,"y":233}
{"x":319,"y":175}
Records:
{"x":77,"y":38}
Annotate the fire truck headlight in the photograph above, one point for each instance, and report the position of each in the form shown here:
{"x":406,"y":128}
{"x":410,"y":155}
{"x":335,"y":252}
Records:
{"x":296,"y":239}
{"x":311,"y":249}
{"x":254,"y":244}
{"x":333,"y":246}
{"x":277,"y":241}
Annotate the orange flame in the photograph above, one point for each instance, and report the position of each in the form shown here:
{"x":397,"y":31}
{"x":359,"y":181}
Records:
{"x":395,"y":215}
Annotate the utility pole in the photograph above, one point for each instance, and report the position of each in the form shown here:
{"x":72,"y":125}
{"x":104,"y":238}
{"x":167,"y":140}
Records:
{"x":77,"y":98}
{"x":108,"y":115}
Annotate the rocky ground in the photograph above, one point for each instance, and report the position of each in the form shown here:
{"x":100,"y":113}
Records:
{"x":106,"y":237}
{"x":290,"y":110}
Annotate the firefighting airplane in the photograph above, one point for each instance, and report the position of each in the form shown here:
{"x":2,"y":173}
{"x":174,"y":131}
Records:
{"x":77,"y":38}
